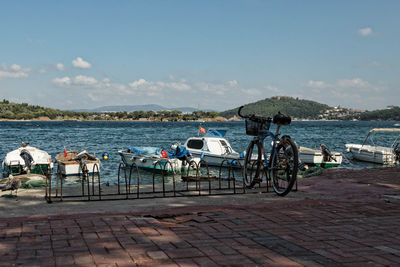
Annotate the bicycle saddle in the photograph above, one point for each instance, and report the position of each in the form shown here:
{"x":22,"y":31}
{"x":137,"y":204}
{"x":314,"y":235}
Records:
{"x":282,"y":119}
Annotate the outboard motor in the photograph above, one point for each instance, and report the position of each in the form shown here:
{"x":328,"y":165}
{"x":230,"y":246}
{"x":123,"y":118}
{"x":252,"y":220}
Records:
{"x":180,"y":152}
{"x":326,"y":153}
{"x":28,"y":159}
{"x":84,"y":155}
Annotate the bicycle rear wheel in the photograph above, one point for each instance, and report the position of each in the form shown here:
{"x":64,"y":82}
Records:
{"x":284,"y":163}
{"x":252,"y":164}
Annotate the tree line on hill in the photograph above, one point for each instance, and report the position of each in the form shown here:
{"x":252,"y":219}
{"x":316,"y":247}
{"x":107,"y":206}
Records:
{"x":24,"y":111}
{"x":390,"y":114}
{"x":294,"y":107}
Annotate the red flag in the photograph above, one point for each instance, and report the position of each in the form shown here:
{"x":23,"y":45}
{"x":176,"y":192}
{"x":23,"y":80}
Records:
{"x":65,"y":152}
{"x":202,"y":130}
{"x":164,"y":154}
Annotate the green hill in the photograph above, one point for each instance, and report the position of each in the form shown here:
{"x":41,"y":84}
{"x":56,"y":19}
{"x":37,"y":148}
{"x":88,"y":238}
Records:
{"x":14,"y":111}
{"x":294,"y":107}
{"x":390,"y":114}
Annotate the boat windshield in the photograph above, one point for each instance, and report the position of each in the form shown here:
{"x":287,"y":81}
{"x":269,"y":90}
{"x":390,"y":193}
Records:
{"x":382,"y":137}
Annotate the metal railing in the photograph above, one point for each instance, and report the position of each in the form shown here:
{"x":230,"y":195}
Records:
{"x":164,"y":181}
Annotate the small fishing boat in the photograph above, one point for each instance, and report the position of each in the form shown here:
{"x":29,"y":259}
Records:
{"x":321,"y":157}
{"x":375,"y":153}
{"x":26,"y":159}
{"x":214,"y":148}
{"x":70,"y":163}
{"x":155,"y":159}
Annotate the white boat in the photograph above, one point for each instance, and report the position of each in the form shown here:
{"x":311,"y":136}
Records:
{"x":374,"y":153}
{"x":26,"y":159}
{"x":70,"y":163}
{"x":154,"y":159}
{"x":320,"y":157}
{"x":213,"y":148}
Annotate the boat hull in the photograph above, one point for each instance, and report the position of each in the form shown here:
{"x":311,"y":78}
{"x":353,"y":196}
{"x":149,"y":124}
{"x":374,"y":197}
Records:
{"x":153,"y":163}
{"x":41,"y":169}
{"x":66,"y":166}
{"x":14,"y":164}
{"x":373,"y":154}
{"x":315,"y":157}
{"x":74,"y":169}
{"x":215,"y":160}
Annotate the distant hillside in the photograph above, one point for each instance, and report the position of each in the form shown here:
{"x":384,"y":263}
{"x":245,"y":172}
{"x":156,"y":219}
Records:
{"x":390,"y":114}
{"x":130,"y":108}
{"x":24,"y":111}
{"x":294,"y":107}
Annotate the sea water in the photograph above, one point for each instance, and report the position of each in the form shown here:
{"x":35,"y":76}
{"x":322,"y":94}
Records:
{"x":98,"y":137}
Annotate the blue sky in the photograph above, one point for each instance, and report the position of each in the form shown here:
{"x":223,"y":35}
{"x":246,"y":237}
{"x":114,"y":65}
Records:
{"x":205,"y":54}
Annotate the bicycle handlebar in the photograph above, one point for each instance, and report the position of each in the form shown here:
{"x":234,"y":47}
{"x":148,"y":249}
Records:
{"x":240,"y":114}
{"x":253,"y":117}
{"x":279,"y":118}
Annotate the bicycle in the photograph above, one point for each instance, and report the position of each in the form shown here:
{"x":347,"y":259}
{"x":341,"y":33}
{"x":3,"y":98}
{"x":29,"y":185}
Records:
{"x":281,"y":164}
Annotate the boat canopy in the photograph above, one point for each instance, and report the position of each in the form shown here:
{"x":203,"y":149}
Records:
{"x":385,"y":130}
{"x":145,"y":150}
{"x":215,"y":133}
{"x":396,"y":130}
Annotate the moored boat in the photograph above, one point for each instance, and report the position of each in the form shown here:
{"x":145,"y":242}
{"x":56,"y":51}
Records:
{"x":376,"y":153}
{"x":154,"y":159}
{"x":214,"y":148}
{"x":26,"y":159}
{"x":321,"y":157}
{"x":70,"y":163}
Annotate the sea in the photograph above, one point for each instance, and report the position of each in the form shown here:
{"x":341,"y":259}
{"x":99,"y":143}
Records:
{"x":98,"y":137}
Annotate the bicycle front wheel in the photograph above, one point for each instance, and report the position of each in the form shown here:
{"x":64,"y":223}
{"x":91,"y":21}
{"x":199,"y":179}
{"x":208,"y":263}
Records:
{"x":283,"y":166}
{"x":252,"y":164}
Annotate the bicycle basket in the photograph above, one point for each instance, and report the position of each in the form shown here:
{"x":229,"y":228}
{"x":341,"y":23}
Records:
{"x":252,"y":127}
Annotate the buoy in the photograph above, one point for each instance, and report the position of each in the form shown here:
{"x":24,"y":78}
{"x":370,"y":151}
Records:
{"x":105,"y":155}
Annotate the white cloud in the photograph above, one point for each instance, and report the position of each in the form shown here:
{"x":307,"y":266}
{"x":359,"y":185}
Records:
{"x":85,"y":80}
{"x":343,"y":84}
{"x":233,"y":83}
{"x":251,"y":91}
{"x":316,"y":84}
{"x":77,"y":81}
{"x":63,"y":82}
{"x":272,"y":89}
{"x":158,"y":88}
{"x":353,"y":83}
{"x":60,"y":66}
{"x":217,"y":88}
{"x":138,"y":83}
{"x":170,"y":92}
{"x":354,"y":92}
{"x":14,"y":71}
{"x":364,"y":32}
{"x":80,"y":63}
{"x":104,"y":86}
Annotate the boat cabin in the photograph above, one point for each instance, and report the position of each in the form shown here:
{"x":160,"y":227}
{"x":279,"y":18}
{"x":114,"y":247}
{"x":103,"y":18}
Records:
{"x":214,"y":145}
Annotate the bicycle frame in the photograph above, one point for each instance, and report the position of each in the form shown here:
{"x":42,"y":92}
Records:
{"x":263,"y":134}
{"x":281,"y":167}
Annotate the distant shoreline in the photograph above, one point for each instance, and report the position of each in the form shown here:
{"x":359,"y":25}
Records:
{"x":199,"y":121}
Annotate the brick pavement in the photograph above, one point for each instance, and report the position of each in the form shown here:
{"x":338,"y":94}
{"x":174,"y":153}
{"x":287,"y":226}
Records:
{"x":359,"y":228}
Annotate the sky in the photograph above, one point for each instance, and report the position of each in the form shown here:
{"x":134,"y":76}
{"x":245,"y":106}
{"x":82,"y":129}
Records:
{"x":218,"y":55}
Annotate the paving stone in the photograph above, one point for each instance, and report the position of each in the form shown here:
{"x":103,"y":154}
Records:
{"x":157,"y":255}
{"x":358,"y":228}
